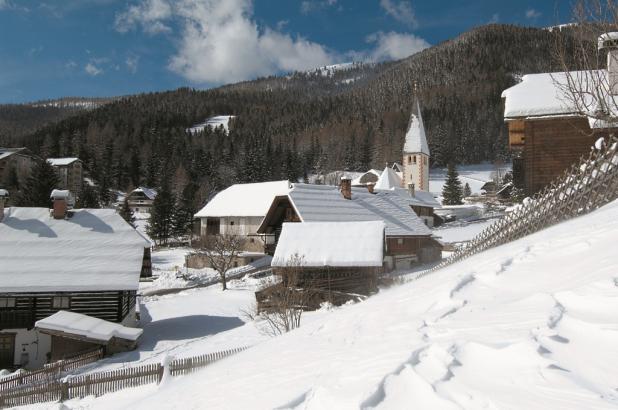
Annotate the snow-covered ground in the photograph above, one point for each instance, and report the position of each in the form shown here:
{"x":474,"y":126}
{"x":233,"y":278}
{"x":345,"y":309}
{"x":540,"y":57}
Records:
{"x":461,"y":231}
{"x":213,"y":122}
{"x":528,"y":325}
{"x":476,"y":175}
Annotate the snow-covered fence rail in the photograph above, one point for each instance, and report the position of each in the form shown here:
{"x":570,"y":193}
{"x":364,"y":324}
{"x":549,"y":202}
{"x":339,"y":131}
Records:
{"x":584,"y":187}
{"x":97,"y":384}
{"x":49,"y":372}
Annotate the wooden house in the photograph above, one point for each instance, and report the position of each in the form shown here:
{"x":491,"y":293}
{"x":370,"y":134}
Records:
{"x":15,"y":167}
{"x":239,"y":210}
{"x":70,"y":173}
{"x":554,"y":118}
{"x":141,"y":199}
{"x":408,"y":239}
{"x":328,"y":261}
{"x":86,"y":261}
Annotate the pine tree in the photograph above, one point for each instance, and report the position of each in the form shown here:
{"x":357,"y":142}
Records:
{"x":452,"y":191}
{"x":88,"y":198}
{"x":467,"y":191}
{"x":160,"y":224}
{"x":39,"y":185}
{"x":185,"y":209}
{"x":127,"y":213}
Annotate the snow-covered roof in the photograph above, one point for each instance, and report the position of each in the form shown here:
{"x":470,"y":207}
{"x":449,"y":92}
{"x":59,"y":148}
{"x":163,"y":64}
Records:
{"x":357,"y":180}
{"x":544,"y":94}
{"x":149,"y":192}
{"x":244,"y":199}
{"x":416,"y":140}
{"x":331,"y":244}
{"x":59,"y":162}
{"x":323,"y":203}
{"x":388,"y":179}
{"x":86,"y":326}
{"x":420,"y":198}
{"x":4,"y":192}
{"x":6,"y":152}
{"x":93,"y":249}
{"x":60,"y":194}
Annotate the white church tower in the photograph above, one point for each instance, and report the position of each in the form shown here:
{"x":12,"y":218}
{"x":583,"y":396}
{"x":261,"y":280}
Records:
{"x":416,"y":153}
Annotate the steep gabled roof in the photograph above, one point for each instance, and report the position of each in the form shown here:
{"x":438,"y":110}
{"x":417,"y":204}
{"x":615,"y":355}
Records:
{"x":148,"y":192}
{"x":244,"y":199}
{"x":351,"y":244}
{"x":94,"y":249}
{"x":416,"y":140}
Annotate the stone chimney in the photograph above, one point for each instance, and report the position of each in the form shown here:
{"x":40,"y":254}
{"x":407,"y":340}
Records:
{"x":346,"y":187}
{"x":370,"y":187}
{"x":411,"y":189}
{"x":4,"y":196}
{"x":61,"y":200}
{"x":609,"y":42}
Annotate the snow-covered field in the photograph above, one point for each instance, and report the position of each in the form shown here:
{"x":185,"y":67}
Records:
{"x":212,"y":122}
{"x":461,"y":231}
{"x":476,"y":175}
{"x":528,"y":325}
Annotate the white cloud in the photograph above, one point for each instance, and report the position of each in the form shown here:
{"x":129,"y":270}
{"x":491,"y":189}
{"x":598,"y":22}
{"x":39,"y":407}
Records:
{"x":132,"y":63}
{"x":393,"y":46}
{"x":70,"y":65}
{"x":4,"y":4}
{"x":401,"y":11}
{"x":149,"y":14}
{"x":494,"y":18}
{"x":93,"y":70}
{"x":532,"y":14}
{"x":309,"y":6}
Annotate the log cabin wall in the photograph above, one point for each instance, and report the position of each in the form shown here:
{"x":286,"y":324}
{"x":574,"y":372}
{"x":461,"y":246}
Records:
{"x":551,"y":146}
{"x":113,"y":306}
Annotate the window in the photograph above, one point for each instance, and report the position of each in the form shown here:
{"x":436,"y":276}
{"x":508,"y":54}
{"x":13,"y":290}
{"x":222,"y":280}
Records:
{"x":61,"y":302}
{"x":7,"y":303}
{"x":252,"y":241}
{"x":409,"y":158}
{"x":414,"y":159}
{"x":232,"y":223}
{"x":399,"y":241}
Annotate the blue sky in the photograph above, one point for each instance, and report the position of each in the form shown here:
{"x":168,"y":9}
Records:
{"x":117,"y":47}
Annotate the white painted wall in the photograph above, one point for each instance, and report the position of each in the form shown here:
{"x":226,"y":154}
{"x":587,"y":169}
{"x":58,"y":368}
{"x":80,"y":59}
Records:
{"x":417,"y":172}
{"x":33,"y":344}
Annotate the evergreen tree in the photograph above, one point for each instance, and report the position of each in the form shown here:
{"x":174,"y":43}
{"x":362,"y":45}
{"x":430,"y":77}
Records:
{"x":467,"y":191}
{"x":126,"y":212}
{"x":39,"y":185}
{"x":185,"y":209}
{"x":160,"y":224}
{"x":452,"y":191}
{"x":88,"y":198}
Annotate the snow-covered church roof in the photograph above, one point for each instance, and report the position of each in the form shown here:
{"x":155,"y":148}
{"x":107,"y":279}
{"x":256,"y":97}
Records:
{"x":416,"y":140}
{"x":244,"y":199}
{"x":331,"y":244}
{"x":388,"y":179}
{"x":94,"y":249}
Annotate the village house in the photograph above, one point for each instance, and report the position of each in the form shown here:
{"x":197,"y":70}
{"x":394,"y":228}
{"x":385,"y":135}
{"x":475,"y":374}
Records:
{"x":70,"y":173}
{"x":548,"y":132}
{"x":15,"y":167}
{"x":408,"y":239}
{"x":84,"y":261}
{"x":333,"y":261}
{"x":140,"y":199}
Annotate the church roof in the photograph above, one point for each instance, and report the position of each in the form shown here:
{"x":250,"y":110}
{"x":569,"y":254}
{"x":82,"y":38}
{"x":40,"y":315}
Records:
{"x":416,"y":141}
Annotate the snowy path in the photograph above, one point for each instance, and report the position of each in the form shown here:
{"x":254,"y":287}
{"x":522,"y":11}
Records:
{"x":529,"y":325}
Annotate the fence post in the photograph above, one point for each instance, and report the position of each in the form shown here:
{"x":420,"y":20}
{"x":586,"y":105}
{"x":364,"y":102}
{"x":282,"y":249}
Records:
{"x":64,"y":390}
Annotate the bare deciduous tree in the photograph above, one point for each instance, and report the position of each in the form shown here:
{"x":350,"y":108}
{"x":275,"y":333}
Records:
{"x":584,"y":83}
{"x":221,"y":252}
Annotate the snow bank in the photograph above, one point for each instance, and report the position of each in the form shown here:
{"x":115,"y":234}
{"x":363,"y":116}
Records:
{"x":87,"y":326}
{"x":528,"y":325}
{"x":331,"y":244}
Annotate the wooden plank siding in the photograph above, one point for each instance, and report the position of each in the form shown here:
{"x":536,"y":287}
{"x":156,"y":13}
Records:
{"x":548,"y":147}
{"x":113,"y":306}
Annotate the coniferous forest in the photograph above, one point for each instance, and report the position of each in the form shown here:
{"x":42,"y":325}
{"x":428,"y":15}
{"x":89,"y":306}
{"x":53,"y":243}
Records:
{"x":288,"y":127}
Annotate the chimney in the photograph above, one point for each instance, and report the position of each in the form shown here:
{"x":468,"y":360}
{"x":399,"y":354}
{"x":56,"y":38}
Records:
{"x":609,"y":42}
{"x":4,"y":196}
{"x":346,"y":187}
{"x":370,"y":187}
{"x":411,"y":189}
{"x":61,"y":200}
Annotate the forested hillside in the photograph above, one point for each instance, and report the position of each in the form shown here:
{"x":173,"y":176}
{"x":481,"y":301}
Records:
{"x":289,"y":126}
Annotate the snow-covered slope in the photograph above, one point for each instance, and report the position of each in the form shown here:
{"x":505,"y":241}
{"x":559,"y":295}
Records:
{"x":529,"y":325}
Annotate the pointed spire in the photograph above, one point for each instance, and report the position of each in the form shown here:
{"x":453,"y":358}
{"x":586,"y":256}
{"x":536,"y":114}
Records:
{"x":416,"y":141}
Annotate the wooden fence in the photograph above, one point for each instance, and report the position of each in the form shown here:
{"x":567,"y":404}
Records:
{"x":50,"y":371}
{"x":584,"y":187}
{"x":97,"y":384}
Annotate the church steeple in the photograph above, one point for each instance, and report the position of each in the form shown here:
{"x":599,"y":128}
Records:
{"x":416,"y":152}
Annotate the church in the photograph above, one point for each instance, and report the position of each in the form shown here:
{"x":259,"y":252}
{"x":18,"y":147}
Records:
{"x":416,"y":154}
